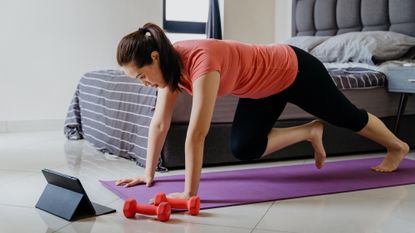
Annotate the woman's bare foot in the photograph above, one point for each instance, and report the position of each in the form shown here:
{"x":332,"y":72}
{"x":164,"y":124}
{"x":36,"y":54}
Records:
{"x":393,"y":158}
{"x":316,"y":140}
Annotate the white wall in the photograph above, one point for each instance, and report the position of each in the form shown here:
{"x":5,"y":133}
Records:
{"x":46,"y":45}
{"x":282,"y":20}
{"x":261,"y":21}
{"x":249,"y":21}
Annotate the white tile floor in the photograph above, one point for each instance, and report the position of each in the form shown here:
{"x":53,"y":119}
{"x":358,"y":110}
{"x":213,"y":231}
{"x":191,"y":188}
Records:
{"x":23,"y":155}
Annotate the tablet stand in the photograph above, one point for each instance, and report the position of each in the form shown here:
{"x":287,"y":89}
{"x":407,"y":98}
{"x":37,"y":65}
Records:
{"x":64,"y":203}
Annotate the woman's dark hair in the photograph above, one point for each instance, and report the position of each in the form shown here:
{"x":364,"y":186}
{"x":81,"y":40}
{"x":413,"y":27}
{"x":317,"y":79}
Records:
{"x":137,"y":47}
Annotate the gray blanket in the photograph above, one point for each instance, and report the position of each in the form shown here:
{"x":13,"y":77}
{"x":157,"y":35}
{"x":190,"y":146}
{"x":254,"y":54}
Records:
{"x":357,"y":78}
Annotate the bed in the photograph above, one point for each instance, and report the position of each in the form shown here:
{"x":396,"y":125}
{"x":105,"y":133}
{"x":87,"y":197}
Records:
{"x":112,"y":111}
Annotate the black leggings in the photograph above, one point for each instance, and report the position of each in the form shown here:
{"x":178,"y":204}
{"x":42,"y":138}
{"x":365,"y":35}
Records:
{"x":313,"y":90}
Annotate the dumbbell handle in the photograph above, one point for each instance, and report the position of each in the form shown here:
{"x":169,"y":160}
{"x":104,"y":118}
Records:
{"x":146,"y":209}
{"x":177,"y":203}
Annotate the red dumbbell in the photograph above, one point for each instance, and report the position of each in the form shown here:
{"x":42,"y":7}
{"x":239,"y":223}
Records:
{"x":131,"y":207}
{"x":192,"y":205}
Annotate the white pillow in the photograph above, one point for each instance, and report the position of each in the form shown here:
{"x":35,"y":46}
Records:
{"x":306,"y":43}
{"x":367,"y":47}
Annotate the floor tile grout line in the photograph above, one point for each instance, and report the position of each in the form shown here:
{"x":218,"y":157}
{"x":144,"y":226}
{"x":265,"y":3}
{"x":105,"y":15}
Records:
{"x":18,"y":206}
{"x":33,"y":207}
{"x":19,"y":178}
{"x":66,"y":225}
{"x":112,"y":202}
{"x":277,"y":231}
{"x":18,"y":170}
{"x":254,"y":228}
{"x":271,"y":231}
{"x":216,"y":225}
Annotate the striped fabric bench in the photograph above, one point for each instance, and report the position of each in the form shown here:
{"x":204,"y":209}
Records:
{"x":112,"y":112}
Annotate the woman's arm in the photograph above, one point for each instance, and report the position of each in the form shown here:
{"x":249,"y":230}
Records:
{"x":159,"y":126}
{"x":205,"y":90}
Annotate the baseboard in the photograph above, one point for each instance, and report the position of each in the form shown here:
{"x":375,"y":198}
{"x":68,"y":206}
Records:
{"x":31,"y":125}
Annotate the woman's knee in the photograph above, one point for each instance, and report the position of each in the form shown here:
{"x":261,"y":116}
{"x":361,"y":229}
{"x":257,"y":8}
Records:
{"x":247,"y":149}
{"x":355,"y":122}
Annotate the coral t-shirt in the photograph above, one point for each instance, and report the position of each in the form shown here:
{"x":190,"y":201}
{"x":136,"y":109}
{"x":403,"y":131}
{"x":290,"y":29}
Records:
{"x":246,"y":70}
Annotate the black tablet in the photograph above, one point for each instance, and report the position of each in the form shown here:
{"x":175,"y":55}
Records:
{"x":65,"y":197}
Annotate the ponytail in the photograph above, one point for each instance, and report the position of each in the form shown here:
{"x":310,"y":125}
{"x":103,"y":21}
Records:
{"x":137,"y":47}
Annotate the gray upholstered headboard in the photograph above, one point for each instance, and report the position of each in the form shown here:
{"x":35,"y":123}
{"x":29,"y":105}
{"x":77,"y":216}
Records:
{"x":331,"y":17}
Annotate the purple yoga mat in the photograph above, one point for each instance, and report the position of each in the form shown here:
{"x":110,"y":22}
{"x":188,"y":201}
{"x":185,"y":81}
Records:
{"x":228,"y":188}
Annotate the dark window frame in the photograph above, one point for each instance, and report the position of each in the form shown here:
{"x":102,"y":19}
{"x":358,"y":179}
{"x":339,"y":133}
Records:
{"x":173,"y":26}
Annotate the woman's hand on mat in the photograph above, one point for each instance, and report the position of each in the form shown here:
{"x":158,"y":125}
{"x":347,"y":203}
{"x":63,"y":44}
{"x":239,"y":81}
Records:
{"x":135,"y":181}
{"x":172,"y":196}
{"x":178,"y":196}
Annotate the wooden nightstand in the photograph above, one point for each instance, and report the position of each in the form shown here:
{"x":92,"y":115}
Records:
{"x":401,"y":80}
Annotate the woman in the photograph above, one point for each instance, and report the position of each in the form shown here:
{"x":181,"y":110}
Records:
{"x":264,"y":77}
